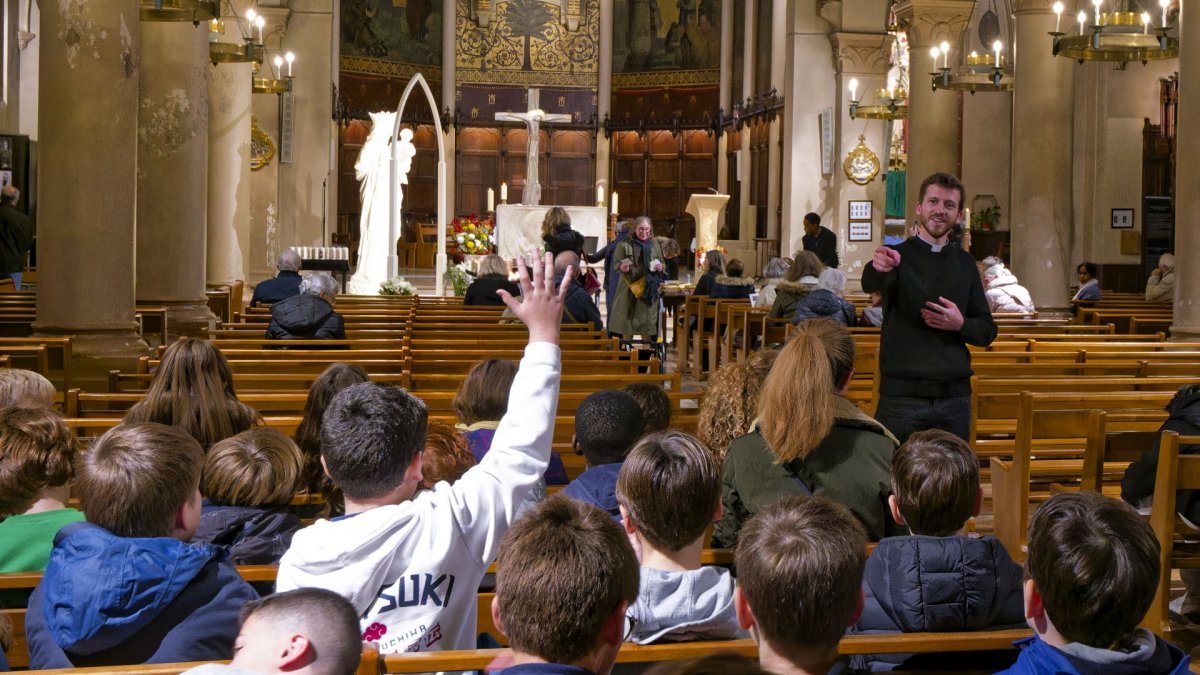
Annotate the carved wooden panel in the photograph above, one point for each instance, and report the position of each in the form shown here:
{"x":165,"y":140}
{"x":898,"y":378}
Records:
{"x":489,"y":156}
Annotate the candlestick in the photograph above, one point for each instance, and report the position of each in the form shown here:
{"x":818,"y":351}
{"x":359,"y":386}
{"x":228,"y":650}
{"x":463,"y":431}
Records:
{"x":259,"y":22}
{"x":1082,"y":19}
{"x":1058,"y":10}
{"x":289,"y":57}
{"x":491,"y":200}
{"x":615,"y":210}
{"x":934,"y":53}
{"x":966,"y":218}
{"x":278,"y":61}
{"x":1164,"y":4}
{"x":853,"y":89}
{"x":1145,"y":23}
{"x":599,"y":196}
{"x":250,"y":16}
{"x":996,"y":48}
{"x":945,"y":54}
{"x":504,"y":193}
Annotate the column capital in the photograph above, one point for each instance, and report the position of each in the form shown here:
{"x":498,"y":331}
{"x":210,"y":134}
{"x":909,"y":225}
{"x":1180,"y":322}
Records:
{"x":929,"y":22}
{"x":861,"y":53}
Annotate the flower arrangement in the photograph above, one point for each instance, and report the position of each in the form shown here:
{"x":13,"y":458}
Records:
{"x":459,"y":278}
{"x":397,"y":286}
{"x":472,"y":235}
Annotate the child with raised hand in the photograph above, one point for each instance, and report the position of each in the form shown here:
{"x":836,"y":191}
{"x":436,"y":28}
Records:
{"x":409,"y":564}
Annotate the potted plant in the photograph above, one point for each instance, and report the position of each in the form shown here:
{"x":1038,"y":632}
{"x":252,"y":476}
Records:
{"x":986,"y":219}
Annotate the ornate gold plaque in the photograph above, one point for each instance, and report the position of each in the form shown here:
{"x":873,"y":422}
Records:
{"x":262,"y":148}
{"x":861,"y":164}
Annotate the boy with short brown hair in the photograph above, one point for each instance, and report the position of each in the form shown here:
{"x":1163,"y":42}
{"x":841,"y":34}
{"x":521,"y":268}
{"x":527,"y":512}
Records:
{"x":125,"y":587}
{"x":669,"y":490}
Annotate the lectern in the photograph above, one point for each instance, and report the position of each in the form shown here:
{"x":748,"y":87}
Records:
{"x":707,"y":210}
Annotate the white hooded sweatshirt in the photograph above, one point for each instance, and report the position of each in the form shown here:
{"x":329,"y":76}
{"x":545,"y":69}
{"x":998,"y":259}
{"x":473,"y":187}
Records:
{"x":412,"y":570}
{"x":1003,"y":292}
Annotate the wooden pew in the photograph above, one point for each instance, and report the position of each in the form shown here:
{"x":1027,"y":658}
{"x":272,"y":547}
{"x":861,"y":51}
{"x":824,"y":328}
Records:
{"x":1175,"y":472}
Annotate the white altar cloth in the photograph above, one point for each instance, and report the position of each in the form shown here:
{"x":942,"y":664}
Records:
{"x":519,"y":227}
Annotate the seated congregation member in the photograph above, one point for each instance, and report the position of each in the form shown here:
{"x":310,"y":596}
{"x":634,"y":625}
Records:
{"x":714,"y":266}
{"x":1160,"y":287}
{"x":25,"y":389}
{"x":873,"y":315}
{"x":308,"y":631}
{"x":481,"y":402}
{"x":193,"y":390}
{"x":249,"y":481}
{"x":773,"y":275}
{"x":565,"y":576}
{"x":409,"y":564}
{"x":1089,"y":285}
{"x":37,"y":454}
{"x":800,"y":566}
{"x":670,"y":492}
{"x":810,"y":439}
{"x":578,"y":306}
{"x":309,"y":315}
{"x":655,"y":405}
{"x":1091,"y":574}
{"x":1003,"y":292}
{"x":125,"y":587}
{"x":557,"y":235}
{"x":732,"y":284}
{"x":826,"y":302}
{"x":800,"y":280}
{"x":938,"y":579}
{"x":607,"y":424}
{"x":314,"y":480}
{"x":284,"y":285}
{"x":730,"y":404}
{"x":493,"y":276}
{"x":447,"y":456}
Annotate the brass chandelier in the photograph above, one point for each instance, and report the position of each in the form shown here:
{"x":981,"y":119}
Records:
{"x":892,"y":103}
{"x":1117,"y":36}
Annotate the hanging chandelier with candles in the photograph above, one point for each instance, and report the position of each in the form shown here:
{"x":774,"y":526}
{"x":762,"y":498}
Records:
{"x":276,"y":82}
{"x":179,"y":10}
{"x":892,"y":103}
{"x":248,"y":51}
{"x":1116,"y":36}
{"x":972,"y":71}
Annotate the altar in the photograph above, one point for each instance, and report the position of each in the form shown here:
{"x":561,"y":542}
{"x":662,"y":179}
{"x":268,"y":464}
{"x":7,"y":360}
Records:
{"x":519,"y":227}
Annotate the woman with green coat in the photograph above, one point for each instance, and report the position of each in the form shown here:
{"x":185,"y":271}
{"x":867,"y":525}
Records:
{"x":640,"y":264}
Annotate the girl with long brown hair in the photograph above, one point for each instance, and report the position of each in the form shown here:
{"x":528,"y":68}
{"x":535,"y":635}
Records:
{"x":809,"y":438}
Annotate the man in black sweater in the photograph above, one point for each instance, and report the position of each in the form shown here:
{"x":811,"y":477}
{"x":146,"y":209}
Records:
{"x":820,"y":240}
{"x":933,"y":307}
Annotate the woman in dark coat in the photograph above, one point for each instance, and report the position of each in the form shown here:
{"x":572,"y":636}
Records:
{"x":557,"y":234}
{"x":493,"y":276}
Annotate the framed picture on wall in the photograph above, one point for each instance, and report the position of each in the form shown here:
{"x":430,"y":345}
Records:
{"x":1122,"y":219}
{"x":860,"y":210}
{"x":860,"y":231}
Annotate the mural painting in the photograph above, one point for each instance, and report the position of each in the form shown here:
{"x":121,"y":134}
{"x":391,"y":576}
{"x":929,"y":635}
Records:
{"x":667,"y":35}
{"x":529,"y":42}
{"x":391,"y":37}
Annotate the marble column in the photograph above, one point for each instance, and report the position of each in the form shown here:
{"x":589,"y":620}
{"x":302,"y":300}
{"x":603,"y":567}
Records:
{"x":228,"y":168}
{"x":1041,"y":221}
{"x":449,"y":102}
{"x":604,"y":102}
{"x":172,"y":192}
{"x":87,"y":182}
{"x":1186,"y":324}
{"x":779,"y":33}
{"x":725,"y":96}
{"x":932,"y":115}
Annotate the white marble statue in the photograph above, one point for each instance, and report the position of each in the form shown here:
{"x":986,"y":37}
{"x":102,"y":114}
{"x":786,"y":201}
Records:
{"x":371,"y":170}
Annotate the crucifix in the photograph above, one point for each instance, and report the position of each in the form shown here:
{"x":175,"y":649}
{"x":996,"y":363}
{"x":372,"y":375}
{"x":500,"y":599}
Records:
{"x":532,"y":195}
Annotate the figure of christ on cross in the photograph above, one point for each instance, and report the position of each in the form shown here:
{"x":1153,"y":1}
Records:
{"x":532,"y":195}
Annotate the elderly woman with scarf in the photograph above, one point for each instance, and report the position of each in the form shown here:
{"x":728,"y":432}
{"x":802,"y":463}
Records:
{"x":642,"y":269}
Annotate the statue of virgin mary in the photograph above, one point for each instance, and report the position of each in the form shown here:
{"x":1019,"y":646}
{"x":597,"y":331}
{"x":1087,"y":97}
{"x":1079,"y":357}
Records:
{"x":371,"y":170}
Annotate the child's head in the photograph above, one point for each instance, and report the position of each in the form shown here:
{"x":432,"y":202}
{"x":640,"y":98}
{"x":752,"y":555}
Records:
{"x":655,"y":405}
{"x":564,"y":577}
{"x":308,"y":435}
{"x":734,"y":268}
{"x":800,"y":564}
{"x":371,"y":437}
{"x":935,"y":483}
{"x":669,"y":489}
{"x":143,"y":480}
{"x":483,"y":394}
{"x":256,"y":468}
{"x":37,"y":452}
{"x":607,"y":424}
{"x":25,"y":389}
{"x":731,"y":401}
{"x":1092,"y":569}
{"x":447,"y":456}
{"x":308,"y":631}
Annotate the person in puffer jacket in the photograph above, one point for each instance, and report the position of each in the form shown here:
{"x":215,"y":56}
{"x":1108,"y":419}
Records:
{"x":1092,"y":574}
{"x":732,"y":284}
{"x":938,"y":579}
{"x":126,"y":587}
{"x":826,"y":302}
{"x":1003,"y":292}
{"x":310,"y":315}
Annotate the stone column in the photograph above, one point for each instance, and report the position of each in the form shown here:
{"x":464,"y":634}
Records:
{"x":779,"y":33}
{"x":748,"y":229}
{"x":449,"y":101}
{"x":172,"y":193}
{"x":604,"y":102}
{"x":932,"y":115}
{"x":228,"y":167}
{"x":88,"y":102}
{"x":725,"y":96}
{"x":1186,"y":325}
{"x":1041,"y":220}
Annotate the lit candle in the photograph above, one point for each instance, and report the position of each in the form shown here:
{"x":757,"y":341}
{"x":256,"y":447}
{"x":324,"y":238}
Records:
{"x":504,"y":193}
{"x":1058,"y":10}
{"x":1145,"y":23}
{"x":967,"y":218}
{"x":278,"y":60}
{"x":290,"y":58}
{"x":599,"y":196}
{"x":1096,"y":4}
{"x":491,"y":200}
{"x":934,"y":53}
{"x":1164,"y":4}
{"x":945,"y":54}
{"x":250,"y":16}
{"x":1082,"y":19}
{"x":615,"y":210}
{"x":853,"y":89}
{"x":259,"y":22}
{"x":996,"y":48}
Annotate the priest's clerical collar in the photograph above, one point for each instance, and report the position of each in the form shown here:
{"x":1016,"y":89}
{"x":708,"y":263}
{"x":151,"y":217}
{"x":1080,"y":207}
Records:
{"x":936,"y":248}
